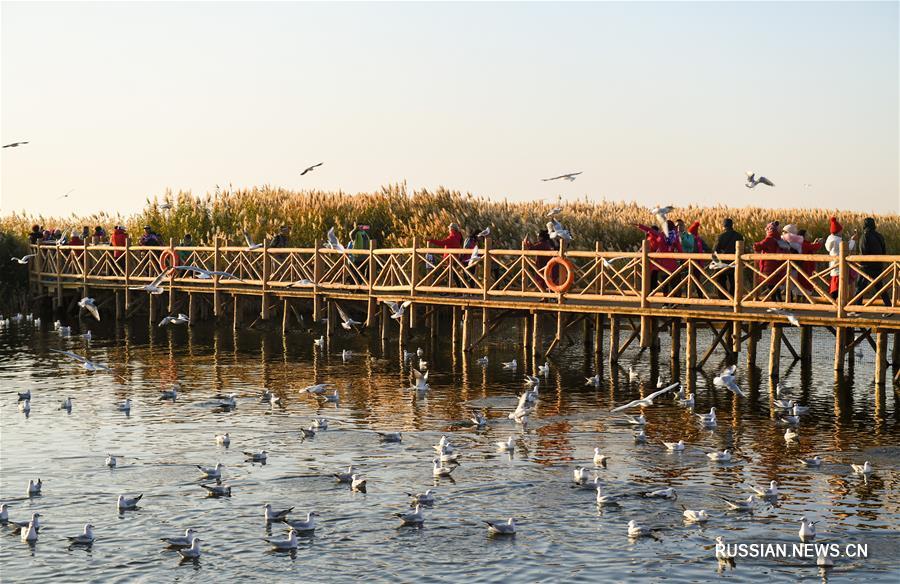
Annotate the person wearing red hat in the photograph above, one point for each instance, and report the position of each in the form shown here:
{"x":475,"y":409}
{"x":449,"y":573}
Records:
{"x":833,"y":247}
{"x":768,"y":267}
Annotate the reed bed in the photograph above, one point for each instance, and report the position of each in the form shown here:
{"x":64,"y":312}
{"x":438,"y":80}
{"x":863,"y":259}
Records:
{"x":396,"y":216}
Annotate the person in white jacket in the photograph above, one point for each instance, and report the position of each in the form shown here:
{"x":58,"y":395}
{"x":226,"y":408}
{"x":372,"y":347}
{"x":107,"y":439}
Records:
{"x":833,"y":246}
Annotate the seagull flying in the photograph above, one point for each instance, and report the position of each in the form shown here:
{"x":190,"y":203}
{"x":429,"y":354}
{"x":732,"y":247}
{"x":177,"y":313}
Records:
{"x":726,"y":379}
{"x":250,"y":245}
{"x":207,"y":274}
{"x":88,"y":304}
{"x":752,"y":181}
{"x":569,"y":177}
{"x":311,"y":168}
{"x":24,"y":259}
{"x":397,"y":308}
{"x":647,"y":401}
{"x":14,"y":144}
{"x":347,"y":322}
{"x":154,"y":286}
{"x":180,"y":319}
{"x":333,"y":242}
{"x":85,"y":364}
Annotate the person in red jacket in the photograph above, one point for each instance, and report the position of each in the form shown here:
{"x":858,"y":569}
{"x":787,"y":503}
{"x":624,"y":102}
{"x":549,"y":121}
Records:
{"x":118,"y":239}
{"x":657,"y":241}
{"x":454,"y":239}
{"x":768,"y":267}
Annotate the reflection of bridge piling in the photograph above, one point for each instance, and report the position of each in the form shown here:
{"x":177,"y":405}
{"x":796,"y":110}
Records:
{"x":637,"y":296}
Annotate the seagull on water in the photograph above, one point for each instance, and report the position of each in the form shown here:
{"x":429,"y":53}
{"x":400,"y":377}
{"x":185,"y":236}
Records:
{"x":85,"y":364}
{"x":153,"y":287}
{"x":740,"y":504}
{"x":180,"y":542}
{"x":508,"y":446}
{"x":4,"y":513}
{"x":127,"y":503}
{"x":111,"y":461}
{"x":125,"y":406}
{"x":213,"y":472}
{"x":674,"y":446}
{"x":308,"y":432}
{"x":217,"y":490}
{"x":724,"y":456}
{"x":23,"y":395}
{"x":192,"y":552}
{"x":791,"y":435}
{"x":768,"y":493}
{"x":633,"y":375}
{"x":814,"y":461}
{"x":22,"y":260}
{"x":344,"y":477}
{"x":317,"y":389}
{"x":424,"y":499}
{"x":581,"y":475}
{"x":640,"y":437}
{"x":34,"y":488}
{"x":88,"y":304}
{"x":171,"y":394}
{"x":273,"y":516}
{"x":752,"y":180}
{"x":478,"y":419}
{"x":605,"y":499}
{"x":223,"y":440}
{"x":710,"y":418}
{"x":443,"y":445}
{"x":180,"y":319}
{"x":320,"y":423}
{"x":569,"y":176}
{"x":421,"y":380}
{"x":544,"y":369}
{"x":333,"y":398}
{"x":667,"y":493}
{"x":357,"y":483}
{"x":84,"y":538}
{"x":726,"y":379}
{"x":863,"y":469}
{"x":695,"y":516}
{"x":284,"y":544}
{"x":439,"y":470}
{"x":390,"y":436}
{"x":304,"y":526}
{"x":647,"y":401}
{"x":35,"y":521}
{"x":414,"y":517}
{"x":599,"y":459}
{"x":595,"y":380}
{"x":508,"y":528}
{"x":511,"y":365}
{"x":482,"y":361}
{"x":635,"y":530}
{"x":807,"y":529}
{"x":25,"y":407}
{"x":29,"y":534}
{"x":311,"y":168}
{"x":260,"y":456}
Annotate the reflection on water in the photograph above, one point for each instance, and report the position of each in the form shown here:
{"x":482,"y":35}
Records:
{"x":561,"y":531}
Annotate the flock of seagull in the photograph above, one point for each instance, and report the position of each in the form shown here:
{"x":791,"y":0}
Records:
{"x":446,"y":457}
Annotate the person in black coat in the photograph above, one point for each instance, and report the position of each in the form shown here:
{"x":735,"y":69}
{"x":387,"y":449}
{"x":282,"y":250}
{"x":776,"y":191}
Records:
{"x":726,"y":243}
{"x":872,"y":243}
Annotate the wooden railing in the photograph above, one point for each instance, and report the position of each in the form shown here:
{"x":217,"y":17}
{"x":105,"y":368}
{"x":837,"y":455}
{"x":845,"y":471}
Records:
{"x":792,"y":282}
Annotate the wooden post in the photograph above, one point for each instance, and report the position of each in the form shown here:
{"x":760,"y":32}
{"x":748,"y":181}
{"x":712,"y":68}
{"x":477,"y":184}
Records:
{"x":588,"y":336}
{"x":645,"y":282}
{"x":738,"y":277}
{"x":598,"y":334}
{"x":85,"y":268}
{"x":839,"y":347}
{"x":895,"y":353}
{"x":455,"y":327}
{"x":192,"y":309}
{"x":403,"y":326}
{"x":535,"y":334}
{"x":413,"y":282}
{"x":59,"y":292}
{"x":236,"y":313}
{"x":806,"y":343}
{"x":217,"y":266}
{"x":690,"y":357}
{"x":264,"y":303}
{"x":330,"y":315}
{"x":842,"y":280}
{"x":286,"y":309}
{"x":613,"y":339}
{"x":370,"y":284}
{"x":384,"y":322}
{"x":676,"y":341}
{"x":752,"y":339}
{"x":151,"y":309}
{"x":774,"y":350}
{"x":172,"y":278}
{"x":736,"y":332}
{"x":486,"y":271}
{"x":466,"y":325}
{"x":646,"y":331}
{"x":127,"y":273}
{"x":120,"y":312}
{"x":317,"y":275}
{"x":881,"y":363}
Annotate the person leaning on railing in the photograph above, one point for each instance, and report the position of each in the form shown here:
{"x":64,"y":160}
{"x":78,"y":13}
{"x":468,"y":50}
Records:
{"x":770,"y":244}
{"x":727,"y":244}
{"x":281,"y":240}
{"x":872,"y":243}
{"x":659,"y":242}
{"x":833,"y":246}
{"x":118,"y":239}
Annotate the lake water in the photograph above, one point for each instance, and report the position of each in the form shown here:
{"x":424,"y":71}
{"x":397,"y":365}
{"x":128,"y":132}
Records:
{"x":562,"y":534}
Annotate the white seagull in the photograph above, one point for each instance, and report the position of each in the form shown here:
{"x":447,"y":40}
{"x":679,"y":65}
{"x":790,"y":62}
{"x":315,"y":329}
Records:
{"x":511,"y":365}
{"x":212,"y":472}
{"x":84,"y":538}
{"x":89,"y":305}
{"x":85,"y":364}
{"x":599,"y":459}
{"x":807,"y":529}
{"x":740,"y":504}
{"x":304,"y":526}
{"x":260,"y":456}
{"x":726,"y":379}
{"x":647,"y":401}
{"x":508,"y":528}
{"x":333,"y":242}
{"x":695,"y":516}
{"x":250,"y":245}
{"x":398,"y":308}
{"x":153,"y":287}
{"x":346,"y":322}
{"x":863,"y":469}
{"x":595,"y":380}
{"x":724,"y":456}
{"x":125,"y":503}
{"x":23,"y":260}
{"x":180,"y":319}
{"x":207,"y":274}
{"x":508,"y":446}
{"x":414,"y":517}
{"x":814,"y":461}
{"x":272,"y":516}
{"x":569,"y":176}
{"x":439,"y":470}
{"x":223,"y":439}
{"x":421,"y":380}
{"x":344,"y":477}
{"x":752,"y":180}
{"x":674,"y":446}
{"x":180,"y":542}
{"x":357,"y":483}
{"x":768,"y":493}
{"x":193,"y":552}
{"x":284,"y":544}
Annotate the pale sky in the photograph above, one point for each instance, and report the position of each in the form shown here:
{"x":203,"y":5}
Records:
{"x":654,"y":102}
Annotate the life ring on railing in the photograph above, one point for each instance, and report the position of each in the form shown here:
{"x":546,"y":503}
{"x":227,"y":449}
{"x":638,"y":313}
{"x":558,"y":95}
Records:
{"x":563,"y":286}
{"x":165,"y":258}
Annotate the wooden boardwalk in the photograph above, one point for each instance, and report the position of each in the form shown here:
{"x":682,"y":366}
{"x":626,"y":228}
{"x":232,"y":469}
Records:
{"x":609,"y":291}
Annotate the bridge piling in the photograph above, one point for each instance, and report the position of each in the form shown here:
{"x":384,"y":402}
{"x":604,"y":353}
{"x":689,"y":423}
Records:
{"x":774,"y":351}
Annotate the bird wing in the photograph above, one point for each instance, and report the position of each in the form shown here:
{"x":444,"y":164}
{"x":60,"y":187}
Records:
{"x":191,"y":269}
{"x":656,"y":394}
{"x":93,"y":310}
{"x":341,"y":312}
{"x":626,"y":406}
{"x":247,"y":239}
{"x":729,"y":370}
{"x":393,"y":306}
{"x":766,"y":181}
{"x":419,"y":377}
{"x":333,"y":241}
{"x":71,"y":355}
{"x":226,"y":275}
